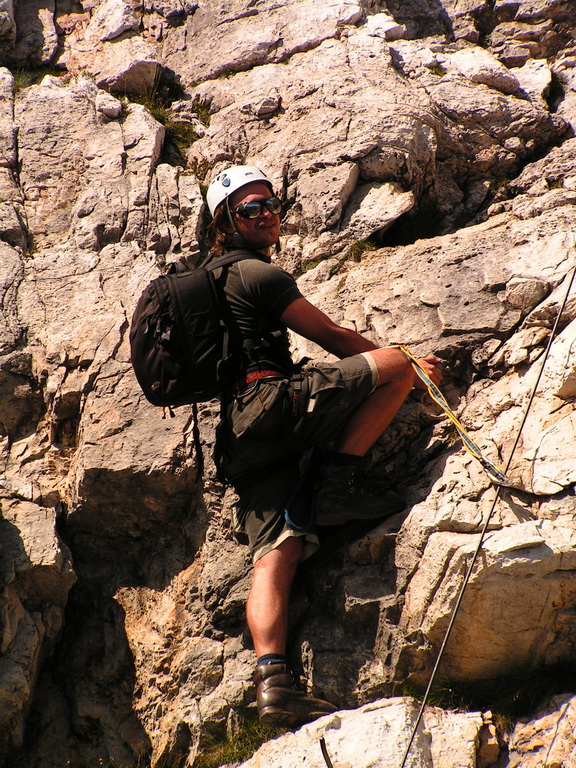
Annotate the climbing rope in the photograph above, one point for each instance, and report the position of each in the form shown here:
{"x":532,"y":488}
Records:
{"x":499,"y":486}
{"x":325,"y":754}
{"x":496,"y":475}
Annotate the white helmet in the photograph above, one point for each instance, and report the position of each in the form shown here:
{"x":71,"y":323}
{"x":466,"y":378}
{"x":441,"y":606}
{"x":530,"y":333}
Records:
{"x":229,"y":181}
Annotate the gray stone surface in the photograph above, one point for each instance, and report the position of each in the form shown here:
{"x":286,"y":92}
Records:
{"x":424,"y":156}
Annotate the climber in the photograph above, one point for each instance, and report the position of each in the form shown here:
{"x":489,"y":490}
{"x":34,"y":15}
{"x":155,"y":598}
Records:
{"x":278,"y":412}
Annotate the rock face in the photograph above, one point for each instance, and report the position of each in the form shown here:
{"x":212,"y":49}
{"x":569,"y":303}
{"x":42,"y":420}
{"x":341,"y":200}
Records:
{"x":384,"y":729}
{"x":425,"y":156}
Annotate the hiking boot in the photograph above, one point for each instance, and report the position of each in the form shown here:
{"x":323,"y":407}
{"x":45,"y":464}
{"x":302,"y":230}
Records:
{"x":281,"y":702}
{"x":342,"y":494}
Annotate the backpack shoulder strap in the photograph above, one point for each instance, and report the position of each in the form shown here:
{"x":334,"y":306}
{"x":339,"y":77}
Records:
{"x":228,"y":258}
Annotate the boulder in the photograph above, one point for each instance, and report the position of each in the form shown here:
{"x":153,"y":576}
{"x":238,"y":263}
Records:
{"x":503,"y":624}
{"x":479,"y":66}
{"x":127,"y":66}
{"x":384,"y":729}
{"x":535,"y":79}
{"x":35,"y":578}
{"x":548,"y":738}
{"x":111,"y":19}
{"x":36,"y":40}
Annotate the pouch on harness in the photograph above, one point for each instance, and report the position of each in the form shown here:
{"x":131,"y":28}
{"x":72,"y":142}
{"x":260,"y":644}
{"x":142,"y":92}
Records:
{"x":178,"y":339}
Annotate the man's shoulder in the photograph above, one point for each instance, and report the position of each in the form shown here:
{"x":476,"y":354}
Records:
{"x":260,"y":268}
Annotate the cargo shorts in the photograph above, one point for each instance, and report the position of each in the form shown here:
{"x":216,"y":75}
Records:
{"x":268,"y":427}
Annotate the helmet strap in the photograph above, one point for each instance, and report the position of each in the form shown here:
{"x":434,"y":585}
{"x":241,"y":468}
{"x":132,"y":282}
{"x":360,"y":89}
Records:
{"x":230,"y":219}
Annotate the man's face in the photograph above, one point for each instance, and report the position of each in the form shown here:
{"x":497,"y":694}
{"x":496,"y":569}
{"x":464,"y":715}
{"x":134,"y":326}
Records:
{"x":263,"y":231}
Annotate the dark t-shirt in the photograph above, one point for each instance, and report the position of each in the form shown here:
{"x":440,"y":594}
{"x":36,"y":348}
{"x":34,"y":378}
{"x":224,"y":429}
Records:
{"x":257,"y":294}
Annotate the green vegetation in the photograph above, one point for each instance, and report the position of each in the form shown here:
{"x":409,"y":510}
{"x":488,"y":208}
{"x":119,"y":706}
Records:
{"x":180,"y":134}
{"x":334,"y":269}
{"x":226,"y":74}
{"x":509,"y":698}
{"x":24,"y":78}
{"x":219,"y":748}
{"x":358,"y":248}
{"x":200,"y":169}
{"x":202,"y":110}
{"x":438,"y":69}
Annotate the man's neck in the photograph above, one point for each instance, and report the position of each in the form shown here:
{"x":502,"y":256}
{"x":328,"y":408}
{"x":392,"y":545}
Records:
{"x":266,"y":252}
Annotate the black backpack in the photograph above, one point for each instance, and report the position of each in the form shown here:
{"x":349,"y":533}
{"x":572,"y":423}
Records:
{"x":178,"y":338}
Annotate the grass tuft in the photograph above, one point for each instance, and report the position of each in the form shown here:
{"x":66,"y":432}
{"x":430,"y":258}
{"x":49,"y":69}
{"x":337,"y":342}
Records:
{"x":358,"y":248}
{"x":509,"y":698}
{"x":180,"y":134}
{"x":220,"y":748}
{"x":24,"y":78}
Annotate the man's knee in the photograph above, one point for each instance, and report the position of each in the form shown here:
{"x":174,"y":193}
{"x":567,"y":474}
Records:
{"x":285,"y":557}
{"x":393,"y":367}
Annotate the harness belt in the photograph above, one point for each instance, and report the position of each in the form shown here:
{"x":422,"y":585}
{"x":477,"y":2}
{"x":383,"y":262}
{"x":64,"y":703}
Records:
{"x":255,"y":375}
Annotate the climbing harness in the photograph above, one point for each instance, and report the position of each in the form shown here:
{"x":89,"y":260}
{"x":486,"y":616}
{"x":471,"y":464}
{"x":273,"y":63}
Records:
{"x":496,"y":475}
{"x":499,"y":487}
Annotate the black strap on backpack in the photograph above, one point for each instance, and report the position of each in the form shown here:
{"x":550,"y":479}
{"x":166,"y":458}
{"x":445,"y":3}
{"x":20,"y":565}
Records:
{"x":212,"y":264}
{"x":180,"y":342}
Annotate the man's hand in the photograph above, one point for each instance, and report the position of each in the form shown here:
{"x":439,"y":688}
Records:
{"x":430,"y":365}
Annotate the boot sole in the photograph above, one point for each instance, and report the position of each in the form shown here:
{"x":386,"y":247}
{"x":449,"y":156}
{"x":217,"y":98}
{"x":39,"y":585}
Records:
{"x":275,"y":717}
{"x":272,"y":716}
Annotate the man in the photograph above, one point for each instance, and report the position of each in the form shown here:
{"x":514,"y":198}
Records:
{"x":277,"y":413}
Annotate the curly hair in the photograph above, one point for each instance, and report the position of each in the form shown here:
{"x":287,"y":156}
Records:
{"x":220,"y":234}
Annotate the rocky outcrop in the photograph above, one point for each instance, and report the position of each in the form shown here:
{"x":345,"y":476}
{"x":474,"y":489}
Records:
{"x":426,"y":160}
{"x":546,"y":739}
{"x":384,"y":729}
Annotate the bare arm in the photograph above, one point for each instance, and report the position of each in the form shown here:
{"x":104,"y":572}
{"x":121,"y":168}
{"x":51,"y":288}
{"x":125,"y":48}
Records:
{"x":309,"y":321}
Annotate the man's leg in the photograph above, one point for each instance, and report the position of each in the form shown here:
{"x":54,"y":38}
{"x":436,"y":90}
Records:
{"x":373,"y":416}
{"x":267,"y":606}
{"x":342,"y":493}
{"x":280,"y":700}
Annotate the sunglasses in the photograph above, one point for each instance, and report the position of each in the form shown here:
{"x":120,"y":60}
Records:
{"x":255,"y":208}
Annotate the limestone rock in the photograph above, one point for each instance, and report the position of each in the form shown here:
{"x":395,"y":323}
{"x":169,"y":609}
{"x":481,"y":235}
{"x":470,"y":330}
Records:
{"x":548,"y":739}
{"x":383,"y":728}
{"x":448,"y":506}
{"x":111,"y":19}
{"x":374,"y":207}
{"x":416,"y":127}
{"x":126,"y":66}
{"x":217,"y":40}
{"x":383,"y":25}
{"x":36,"y":575}
{"x":100,"y":171}
{"x":11,"y":273}
{"x":481,"y":67}
{"x":13,"y":225}
{"x":535,"y":79}
{"x":36,"y":40}
{"x":520,"y":553}
{"x":7,"y":22}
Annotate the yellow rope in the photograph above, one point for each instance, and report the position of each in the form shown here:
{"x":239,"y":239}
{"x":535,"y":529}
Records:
{"x":496,"y":475}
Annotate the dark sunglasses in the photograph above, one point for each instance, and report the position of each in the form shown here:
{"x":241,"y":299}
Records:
{"x":255,"y":208}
